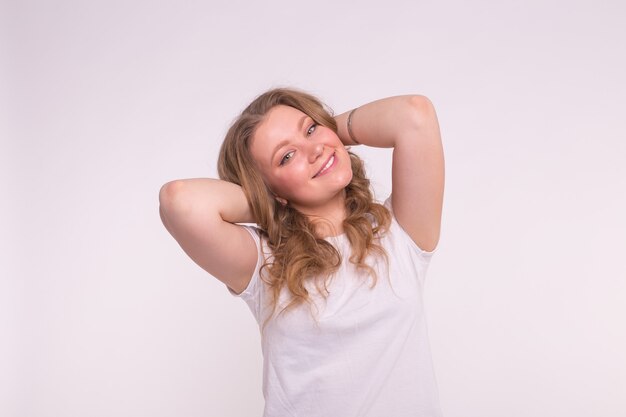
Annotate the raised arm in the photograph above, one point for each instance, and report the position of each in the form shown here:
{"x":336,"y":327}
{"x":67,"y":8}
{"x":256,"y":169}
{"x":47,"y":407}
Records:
{"x":409,"y":125}
{"x":201,"y":213}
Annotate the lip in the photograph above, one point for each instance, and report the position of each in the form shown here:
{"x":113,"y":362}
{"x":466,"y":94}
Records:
{"x":324,"y":170}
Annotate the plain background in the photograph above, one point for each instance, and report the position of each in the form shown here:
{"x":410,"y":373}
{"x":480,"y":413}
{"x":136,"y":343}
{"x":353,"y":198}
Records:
{"x":102,"y":102}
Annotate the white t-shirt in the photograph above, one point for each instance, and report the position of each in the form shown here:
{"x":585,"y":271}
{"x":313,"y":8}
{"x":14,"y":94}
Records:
{"x":366,"y":355}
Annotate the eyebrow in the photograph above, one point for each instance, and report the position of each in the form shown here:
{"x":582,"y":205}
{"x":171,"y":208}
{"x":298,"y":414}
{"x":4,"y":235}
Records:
{"x":286,"y":141}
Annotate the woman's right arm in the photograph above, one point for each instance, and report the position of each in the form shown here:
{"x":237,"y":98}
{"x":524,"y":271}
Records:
{"x":200,"y":213}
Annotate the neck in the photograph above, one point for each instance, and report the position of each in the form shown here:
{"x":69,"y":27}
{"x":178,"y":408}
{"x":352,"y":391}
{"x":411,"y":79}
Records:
{"x":326,"y":227}
{"x":328,"y":220}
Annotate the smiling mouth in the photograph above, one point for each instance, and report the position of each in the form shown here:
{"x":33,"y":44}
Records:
{"x":326,"y":166}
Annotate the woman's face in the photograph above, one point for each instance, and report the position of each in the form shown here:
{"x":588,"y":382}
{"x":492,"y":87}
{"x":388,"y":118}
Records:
{"x":302,"y":162}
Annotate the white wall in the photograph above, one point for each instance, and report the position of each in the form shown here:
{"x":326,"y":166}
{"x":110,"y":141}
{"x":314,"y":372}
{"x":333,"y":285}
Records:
{"x":102,"y":314}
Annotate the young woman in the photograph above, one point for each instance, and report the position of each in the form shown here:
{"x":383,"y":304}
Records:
{"x":334,"y":279}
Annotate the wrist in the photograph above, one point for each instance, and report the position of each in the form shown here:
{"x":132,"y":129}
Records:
{"x":342,"y":129}
{"x":349,"y":127}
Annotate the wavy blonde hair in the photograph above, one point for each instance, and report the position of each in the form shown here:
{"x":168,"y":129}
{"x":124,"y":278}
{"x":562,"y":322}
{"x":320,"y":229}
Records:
{"x":298,"y":254}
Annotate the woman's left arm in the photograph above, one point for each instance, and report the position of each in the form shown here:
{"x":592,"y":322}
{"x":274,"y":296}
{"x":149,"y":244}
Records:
{"x":409,"y":125}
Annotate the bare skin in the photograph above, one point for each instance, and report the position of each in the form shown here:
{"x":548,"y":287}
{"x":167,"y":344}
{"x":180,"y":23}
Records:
{"x":201,"y":213}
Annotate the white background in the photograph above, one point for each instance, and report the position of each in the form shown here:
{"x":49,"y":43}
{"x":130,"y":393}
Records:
{"x":102,"y":102}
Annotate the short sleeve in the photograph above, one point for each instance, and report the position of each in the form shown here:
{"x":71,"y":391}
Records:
{"x":423,"y":253}
{"x":251,"y":294}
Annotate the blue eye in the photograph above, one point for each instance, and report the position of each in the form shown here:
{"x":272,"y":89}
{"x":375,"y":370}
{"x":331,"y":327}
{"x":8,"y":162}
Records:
{"x":311,"y":129}
{"x":286,"y":158}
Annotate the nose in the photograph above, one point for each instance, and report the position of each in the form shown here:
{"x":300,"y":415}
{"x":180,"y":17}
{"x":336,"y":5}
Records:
{"x":316,"y":150}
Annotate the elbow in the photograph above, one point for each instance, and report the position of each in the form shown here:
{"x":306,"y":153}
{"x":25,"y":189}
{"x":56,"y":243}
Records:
{"x":419,"y":101}
{"x":420,"y":111}
{"x":170,"y":196}
{"x":419,"y":122}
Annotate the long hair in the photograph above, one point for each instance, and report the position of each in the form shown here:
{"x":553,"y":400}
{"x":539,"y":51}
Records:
{"x":298,"y":255}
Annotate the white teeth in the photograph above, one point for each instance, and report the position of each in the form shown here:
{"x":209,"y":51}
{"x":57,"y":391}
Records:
{"x":328,"y":164}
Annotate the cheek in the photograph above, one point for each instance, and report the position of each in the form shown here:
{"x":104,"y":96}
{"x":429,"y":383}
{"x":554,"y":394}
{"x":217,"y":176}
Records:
{"x":331,"y":137}
{"x":345,"y":177}
{"x":346,"y":173}
{"x":291,"y":178}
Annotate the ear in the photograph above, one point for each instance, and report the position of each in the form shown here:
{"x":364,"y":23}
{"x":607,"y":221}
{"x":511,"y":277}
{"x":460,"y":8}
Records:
{"x":282,"y":201}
